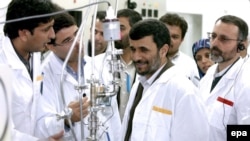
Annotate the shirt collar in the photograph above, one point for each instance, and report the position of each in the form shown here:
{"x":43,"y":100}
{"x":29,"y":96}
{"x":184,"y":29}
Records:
{"x":147,"y":82}
{"x":70,"y":70}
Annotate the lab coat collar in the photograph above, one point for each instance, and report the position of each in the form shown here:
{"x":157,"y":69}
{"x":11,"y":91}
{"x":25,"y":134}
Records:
{"x":12,"y":59}
{"x":176,"y":56}
{"x":57,"y":67}
{"x":164,"y":78}
{"x":229,"y":78}
{"x":59,"y":63}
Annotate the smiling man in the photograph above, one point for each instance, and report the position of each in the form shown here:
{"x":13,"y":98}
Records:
{"x":159,"y":100}
{"x":51,"y":102}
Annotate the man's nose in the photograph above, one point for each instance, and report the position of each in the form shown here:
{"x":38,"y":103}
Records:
{"x":52,"y":34}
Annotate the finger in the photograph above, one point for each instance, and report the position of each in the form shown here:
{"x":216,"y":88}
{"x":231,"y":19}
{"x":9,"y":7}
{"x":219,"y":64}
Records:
{"x":86,"y":104}
{"x":73,"y":104}
{"x":84,"y":99}
{"x":58,"y":135}
{"x":85,"y":112}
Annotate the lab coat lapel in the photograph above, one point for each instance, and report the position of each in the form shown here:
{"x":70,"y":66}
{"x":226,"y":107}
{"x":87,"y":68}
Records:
{"x":57,"y":69}
{"x":224,"y":81}
{"x":228,"y":80}
{"x":163,"y":78}
{"x":13,"y":60}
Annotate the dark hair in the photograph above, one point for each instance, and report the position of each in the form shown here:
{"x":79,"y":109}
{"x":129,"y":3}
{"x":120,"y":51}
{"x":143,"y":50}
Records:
{"x":61,"y":21}
{"x":132,"y":15}
{"x":150,"y":27}
{"x":24,"y":8}
{"x":101,"y":15}
{"x":174,"y":19}
{"x":240,"y":23}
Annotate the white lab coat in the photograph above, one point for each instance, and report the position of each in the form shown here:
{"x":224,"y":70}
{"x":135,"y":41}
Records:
{"x":25,"y":93}
{"x":169,"y":110}
{"x":187,"y":67}
{"x":233,"y":86}
{"x":50,"y":102}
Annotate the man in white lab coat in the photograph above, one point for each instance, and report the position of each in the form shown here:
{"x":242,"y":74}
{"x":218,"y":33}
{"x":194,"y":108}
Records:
{"x":51,"y":101}
{"x":225,"y":87}
{"x":17,"y":48}
{"x":169,"y":108}
{"x":178,"y":27}
{"x":127,"y":18}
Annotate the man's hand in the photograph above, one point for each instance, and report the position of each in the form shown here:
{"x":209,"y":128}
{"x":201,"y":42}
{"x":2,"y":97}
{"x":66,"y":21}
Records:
{"x":57,"y":137}
{"x":75,"y":106}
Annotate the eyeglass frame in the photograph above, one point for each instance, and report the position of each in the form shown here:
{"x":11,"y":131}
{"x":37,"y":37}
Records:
{"x":222,"y":38}
{"x":65,"y":43}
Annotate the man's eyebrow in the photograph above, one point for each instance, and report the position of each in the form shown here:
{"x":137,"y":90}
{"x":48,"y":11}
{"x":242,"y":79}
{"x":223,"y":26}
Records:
{"x":76,"y":31}
{"x":48,"y":27}
{"x":68,"y":38}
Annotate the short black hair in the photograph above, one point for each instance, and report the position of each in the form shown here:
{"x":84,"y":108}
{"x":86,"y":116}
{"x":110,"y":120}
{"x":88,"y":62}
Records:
{"x":62,"y":20}
{"x":101,"y":15}
{"x":176,"y":20}
{"x":24,"y":8}
{"x":132,"y":15}
{"x":240,"y":23}
{"x":149,"y":27}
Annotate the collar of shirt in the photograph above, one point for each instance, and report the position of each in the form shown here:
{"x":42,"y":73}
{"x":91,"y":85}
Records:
{"x":126,"y":64}
{"x":146,"y":83}
{"x":217,"y":74}
{"x":175,"y":56}
{"x":224,"y":70}
{"x":71,"y":71}
{"x":28,"y":64}
{"x":130,"y":69}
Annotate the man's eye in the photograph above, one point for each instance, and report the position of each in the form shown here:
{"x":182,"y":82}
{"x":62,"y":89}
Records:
{"x":69,"y":40}
{"x":213,"y":36}
{"x":223,"y":38}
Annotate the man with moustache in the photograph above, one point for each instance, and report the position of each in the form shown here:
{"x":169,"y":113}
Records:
{"x":127,"y":18}
{"x":163,"y":105}
{"x":225,"y":87}
{"x":50,"y":103}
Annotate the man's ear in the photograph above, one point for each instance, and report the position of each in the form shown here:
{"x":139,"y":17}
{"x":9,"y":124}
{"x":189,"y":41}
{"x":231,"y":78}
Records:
{"x":23,"y":34}
{"x":164,"y":50}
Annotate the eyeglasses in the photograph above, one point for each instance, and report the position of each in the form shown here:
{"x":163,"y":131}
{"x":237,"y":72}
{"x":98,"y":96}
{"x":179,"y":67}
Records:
{"x":67,"y":42}
{"x":222,"y":38}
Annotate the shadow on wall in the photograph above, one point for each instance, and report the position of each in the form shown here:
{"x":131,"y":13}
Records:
{"x":194,"y":32}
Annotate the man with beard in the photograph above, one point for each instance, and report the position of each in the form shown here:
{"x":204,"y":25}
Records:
{"x":163,"y":105}
{"x":127,"y":19}
{"x":225,"y":87}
